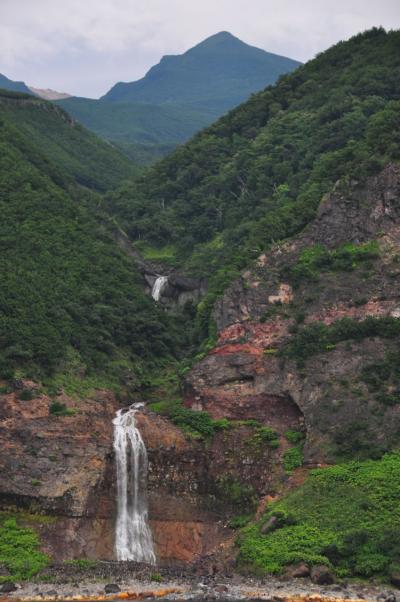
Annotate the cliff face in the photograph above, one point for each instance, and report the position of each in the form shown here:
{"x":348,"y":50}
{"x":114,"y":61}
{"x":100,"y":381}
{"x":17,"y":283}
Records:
{"x":60,"y":467}
{"x":344,"y":265}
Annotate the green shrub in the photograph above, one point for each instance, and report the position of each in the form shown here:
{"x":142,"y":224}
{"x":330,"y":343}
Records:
{"x":292,"y":458}
{"x":294,"y":436}
{"x":235,"y":493}
{"x":318,"y":258}
{"x":238,"y":522}
{"x":346,"y":516}
{"x":26,"y":395}
{"x":82,"y":563}
{"x":383,"y":379}
{"x":318,"y":337}
{"x":19,"y":551}
{"x":60,"y":409}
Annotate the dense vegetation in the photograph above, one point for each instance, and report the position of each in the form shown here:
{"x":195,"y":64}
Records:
{"x":144,"y":132}
{"x":346,"y":516}
{"x":70,"y":300}
{"x":258,"y":174}
{"x":19,"y":550}
{"x":318,"y":337}
{"x":48,"y":137}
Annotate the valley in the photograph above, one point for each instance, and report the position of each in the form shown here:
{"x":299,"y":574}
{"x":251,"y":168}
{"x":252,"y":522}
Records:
{"x":222,"y":328}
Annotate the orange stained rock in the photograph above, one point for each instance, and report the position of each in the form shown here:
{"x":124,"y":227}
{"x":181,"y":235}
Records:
{"x":160,"y":593}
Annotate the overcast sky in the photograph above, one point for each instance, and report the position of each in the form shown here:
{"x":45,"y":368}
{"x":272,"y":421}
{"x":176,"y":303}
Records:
{"x":84,"y":46}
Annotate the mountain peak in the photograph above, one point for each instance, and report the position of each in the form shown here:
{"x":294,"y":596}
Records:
{"x":221,"y":67}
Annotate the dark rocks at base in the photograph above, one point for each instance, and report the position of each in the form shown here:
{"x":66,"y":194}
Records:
{"x":112,"y":588}
{"x":395,"y":579}
{"x":8,"y":587}
{"x":52,"y":593}
{"x":322,"y":575}
{"x":297,"y":571}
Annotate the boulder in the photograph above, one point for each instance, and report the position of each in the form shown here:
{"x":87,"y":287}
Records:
{"x":8,"y":587}
{"x":322,"y":575}
{"x":297,"y":571}
{"x":112,"y":588}
{"x":395,"y":579}
{"x":270,"y":525}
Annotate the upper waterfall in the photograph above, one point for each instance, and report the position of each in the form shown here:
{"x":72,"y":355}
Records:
{"x":158,"y":286}
{"x":133,"y":540}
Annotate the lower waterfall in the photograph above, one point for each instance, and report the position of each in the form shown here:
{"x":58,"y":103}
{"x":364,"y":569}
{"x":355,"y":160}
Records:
{"x":158,"y":286}
{"x":133,"y":540}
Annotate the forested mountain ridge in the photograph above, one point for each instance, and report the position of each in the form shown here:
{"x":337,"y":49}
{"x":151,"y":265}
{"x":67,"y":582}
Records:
{"x":179,"y":96}
{"x":70,"y":299}
{"x":9,"y":84}
{"x":69,"y":150}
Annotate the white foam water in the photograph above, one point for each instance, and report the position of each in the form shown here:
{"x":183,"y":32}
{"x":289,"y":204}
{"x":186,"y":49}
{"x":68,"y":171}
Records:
{"x":158,"y":287}
{"x":133,"y":540}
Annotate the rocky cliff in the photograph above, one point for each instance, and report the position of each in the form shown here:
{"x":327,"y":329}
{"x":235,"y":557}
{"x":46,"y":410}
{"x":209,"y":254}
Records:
{"x":270,"y":362}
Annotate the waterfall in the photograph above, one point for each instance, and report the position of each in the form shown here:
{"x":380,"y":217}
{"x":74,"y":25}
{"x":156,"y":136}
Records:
{"x":133,"y":540}
{"x":158,"y":287}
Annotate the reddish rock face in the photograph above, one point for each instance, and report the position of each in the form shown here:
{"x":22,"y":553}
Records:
{"x":246,"y":376}
{"x":61,"y":466}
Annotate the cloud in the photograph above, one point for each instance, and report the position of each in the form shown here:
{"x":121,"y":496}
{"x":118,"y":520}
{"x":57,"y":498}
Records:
{"x":84,"y":46}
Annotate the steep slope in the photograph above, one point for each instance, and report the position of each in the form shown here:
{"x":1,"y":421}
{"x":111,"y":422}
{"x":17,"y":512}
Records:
{"x":8,"y":84}
{"x":139,"y":129}
{"x":67,"y":149}
{"x":217,"y":74}
{"x":179,"y":96}
{"x":314,"y":324}
{"x":70,"y":301}
{"x":258,"y":174}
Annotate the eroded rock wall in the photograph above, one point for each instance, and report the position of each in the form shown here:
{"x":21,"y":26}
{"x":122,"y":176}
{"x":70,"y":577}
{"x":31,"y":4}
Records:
{"x":247,"y":374}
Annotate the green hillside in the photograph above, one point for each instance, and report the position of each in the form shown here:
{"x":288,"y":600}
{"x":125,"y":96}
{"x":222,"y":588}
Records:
{"x":66,"y":148}
{"x":140,"y":130}
{"x":70,"y":301}
{"x":179,"y":96}
{"x":258,"y":174}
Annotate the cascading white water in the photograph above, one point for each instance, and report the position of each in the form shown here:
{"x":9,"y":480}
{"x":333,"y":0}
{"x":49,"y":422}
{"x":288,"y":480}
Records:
{"x":158,"y":287}
{"x":133,"y":540}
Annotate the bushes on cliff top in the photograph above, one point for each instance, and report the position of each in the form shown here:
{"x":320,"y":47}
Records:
{"x":19,"y":551}
{"x":318,"y":337}
{"x":319,"y":258}
{"x":195,"y":423}
{"x":346,"y":516}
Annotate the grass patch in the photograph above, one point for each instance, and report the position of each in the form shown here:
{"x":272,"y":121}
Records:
{"x":19,"y":551}
{"x":319,"y":258}
{"x":346,"y":516}
{"x":197,"y":424}
{"x":82,"y":563}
